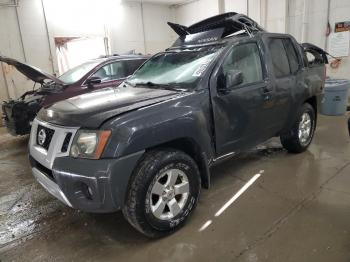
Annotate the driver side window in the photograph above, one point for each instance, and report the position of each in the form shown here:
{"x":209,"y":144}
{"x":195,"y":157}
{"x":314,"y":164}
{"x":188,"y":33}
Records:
{"x":111,"y":71}
{"x":245,"y":58}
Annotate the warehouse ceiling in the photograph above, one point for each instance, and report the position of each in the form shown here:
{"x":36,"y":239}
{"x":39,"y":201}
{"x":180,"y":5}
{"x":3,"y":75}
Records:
{"x":165,"y":2}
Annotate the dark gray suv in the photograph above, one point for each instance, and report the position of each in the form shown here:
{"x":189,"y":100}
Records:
{"x":147,"y":146}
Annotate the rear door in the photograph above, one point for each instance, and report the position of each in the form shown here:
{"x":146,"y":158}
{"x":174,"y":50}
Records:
{"x":241,"y":113}
{"x":286,"y":66}
{"x":315,"y":66}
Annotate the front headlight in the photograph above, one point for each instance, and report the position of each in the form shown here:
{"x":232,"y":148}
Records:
{"x":89,"y":143}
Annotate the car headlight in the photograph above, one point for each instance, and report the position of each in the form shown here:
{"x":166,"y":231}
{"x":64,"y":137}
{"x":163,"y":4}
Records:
{"x":89,"y":143}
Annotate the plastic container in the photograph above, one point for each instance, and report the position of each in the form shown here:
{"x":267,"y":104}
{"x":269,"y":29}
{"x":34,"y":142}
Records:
{"x":335,"y":97}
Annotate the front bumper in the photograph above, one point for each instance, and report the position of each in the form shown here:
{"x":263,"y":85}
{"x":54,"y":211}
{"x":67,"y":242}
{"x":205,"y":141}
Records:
{"x":50,"y":185}
{"x":90,"y":185}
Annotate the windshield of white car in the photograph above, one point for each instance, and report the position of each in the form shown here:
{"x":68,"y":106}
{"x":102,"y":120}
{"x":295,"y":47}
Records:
{"x":181,"y":69}
{"x":76,"y":73}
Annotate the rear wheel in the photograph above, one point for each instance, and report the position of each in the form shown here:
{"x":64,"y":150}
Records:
{"x":299,"y":137}
{"x":163,"y":191}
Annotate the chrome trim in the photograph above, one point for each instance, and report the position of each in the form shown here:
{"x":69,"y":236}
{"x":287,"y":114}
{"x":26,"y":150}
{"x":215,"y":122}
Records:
{"x":50,"y":186}
{"x":47,"y":157}
{"x":224,"y":156}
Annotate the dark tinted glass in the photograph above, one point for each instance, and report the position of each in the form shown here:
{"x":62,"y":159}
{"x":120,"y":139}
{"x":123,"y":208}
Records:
{"x":132,"y":65}
{"x":245,"y":58}
{"x":292,"y":55}
{"x":279,"y":57}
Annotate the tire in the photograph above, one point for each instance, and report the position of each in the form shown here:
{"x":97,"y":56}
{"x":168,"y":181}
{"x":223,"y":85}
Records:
{"x":150,"y":178}
{"x":297,"y":139}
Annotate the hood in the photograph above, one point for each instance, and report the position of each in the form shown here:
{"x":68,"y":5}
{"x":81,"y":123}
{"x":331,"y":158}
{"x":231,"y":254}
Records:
{"x":92,"y":109}
{"x":31,"y":72}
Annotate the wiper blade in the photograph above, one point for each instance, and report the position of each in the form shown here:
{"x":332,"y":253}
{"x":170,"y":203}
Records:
{"x":172,"y":87}
{"x":149,"y":83}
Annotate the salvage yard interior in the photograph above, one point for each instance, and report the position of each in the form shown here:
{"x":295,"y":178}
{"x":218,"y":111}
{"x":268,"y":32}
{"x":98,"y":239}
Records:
{"x":176,"y":130}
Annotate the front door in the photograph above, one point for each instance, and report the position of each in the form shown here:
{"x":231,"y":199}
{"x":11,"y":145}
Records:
{"x":241,"y":112}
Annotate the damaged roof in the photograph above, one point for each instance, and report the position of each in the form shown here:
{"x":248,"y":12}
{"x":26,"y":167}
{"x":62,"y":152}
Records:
{"x":214,"y":28}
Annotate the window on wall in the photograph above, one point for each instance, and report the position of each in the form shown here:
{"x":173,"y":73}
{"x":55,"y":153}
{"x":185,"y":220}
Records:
{"x":279,"y":57}
{"x":245,"y":58}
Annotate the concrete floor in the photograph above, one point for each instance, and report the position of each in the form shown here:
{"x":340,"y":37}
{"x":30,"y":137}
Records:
{"x":298,"y":210}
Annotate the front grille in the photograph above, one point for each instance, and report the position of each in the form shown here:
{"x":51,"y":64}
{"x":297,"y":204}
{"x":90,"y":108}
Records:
{"x":41,"y":168}
{"x":44,"y":142}
{"x":66,"y":142}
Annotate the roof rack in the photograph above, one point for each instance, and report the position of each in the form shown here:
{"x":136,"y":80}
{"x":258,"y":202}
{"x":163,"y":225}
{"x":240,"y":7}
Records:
{"x":215,"y":28}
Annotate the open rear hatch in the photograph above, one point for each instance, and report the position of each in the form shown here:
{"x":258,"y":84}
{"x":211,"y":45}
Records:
{"x":318,"y":52}
{"x":31,"y":72}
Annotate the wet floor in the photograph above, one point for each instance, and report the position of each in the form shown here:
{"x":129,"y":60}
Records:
{"x":296,"y":209}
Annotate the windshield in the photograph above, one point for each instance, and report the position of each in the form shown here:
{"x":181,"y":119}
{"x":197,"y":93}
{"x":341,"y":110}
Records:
{"x":76,"y":73}
{"x":181,"y":69}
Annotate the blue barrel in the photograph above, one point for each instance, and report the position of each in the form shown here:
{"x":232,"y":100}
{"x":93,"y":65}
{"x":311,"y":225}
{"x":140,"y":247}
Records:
{"x":335,"y":97}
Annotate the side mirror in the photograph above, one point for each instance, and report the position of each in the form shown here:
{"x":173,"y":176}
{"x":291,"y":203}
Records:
{"x":94,"y":80}
{"x":233,"y":78}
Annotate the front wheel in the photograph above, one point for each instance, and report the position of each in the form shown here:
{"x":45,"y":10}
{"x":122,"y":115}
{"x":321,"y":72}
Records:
{"x":163,"y":191}
{"x":299,"y":137}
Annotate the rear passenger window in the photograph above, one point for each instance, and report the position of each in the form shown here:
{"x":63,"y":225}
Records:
{"x":245,"y":58}
{"x":292,"y":55}
{"x":279,"y":57}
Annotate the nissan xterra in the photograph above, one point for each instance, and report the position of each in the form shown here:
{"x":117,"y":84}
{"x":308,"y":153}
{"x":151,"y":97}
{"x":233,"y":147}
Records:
{"x":146,"y":147}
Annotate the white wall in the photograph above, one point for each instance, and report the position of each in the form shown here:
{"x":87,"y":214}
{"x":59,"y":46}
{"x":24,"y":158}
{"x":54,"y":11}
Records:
{"x":340,"y":11}
{"x":126,"y":24}
{"x":159,"y":35}
{"x":193,"y":12}
{"x":238,"y":6}
{"x":316,"y":25}
{"x":274,"y":15}
{"x":120,"y":22}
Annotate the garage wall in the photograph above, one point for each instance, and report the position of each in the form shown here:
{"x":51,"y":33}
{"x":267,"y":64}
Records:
{"x":12,"y":83}
{"x":194,"y":11}
{"x":120,"y":22}
{"x":24,"y":35}
{"x":158,"y":34}
{"x":340,"y":11}
{"x":315,"y":25}
{"x":274,"y":15}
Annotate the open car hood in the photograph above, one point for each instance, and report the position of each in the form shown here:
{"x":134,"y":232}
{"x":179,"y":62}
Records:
{"x":31,"y":72}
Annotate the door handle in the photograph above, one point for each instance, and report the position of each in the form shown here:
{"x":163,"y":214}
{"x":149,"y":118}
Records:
{"x":266,"y":89}
{"x":266,"y":93}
